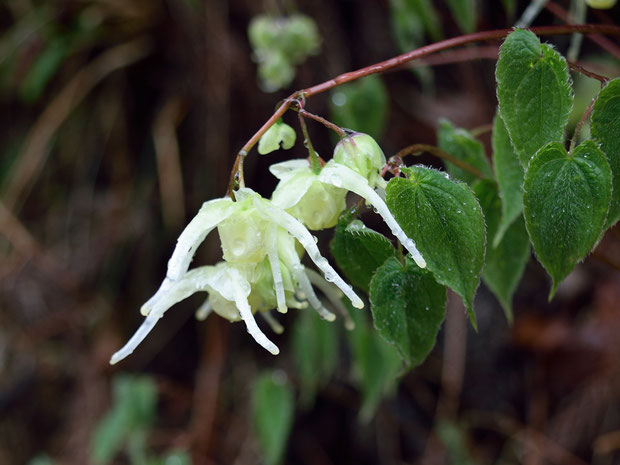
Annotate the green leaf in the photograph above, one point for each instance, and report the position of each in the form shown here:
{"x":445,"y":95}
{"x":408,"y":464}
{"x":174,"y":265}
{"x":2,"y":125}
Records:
{"x":273,"y":408}
{"x":359,"y":250}
{"x":445,"y":220}
{"x":462,"y":145}
{"x":464,"y":13}
{"x":504,"y":263}
{"x":411,"y":20}
{"x":41,"y":460}
{"x":511,"y":8}
{"x":454,"y":440}
{"x":278,"y":134}
{"x":376,"y":363}
{"x":566,"y":197}
{"x":361,"y":105}
{"x":509,"y":174}
{"x":605,"y":129}
{"x":315,"y":350}
{"x":44,"y":68}
{"x":534,"y":93}
{"x":179,"y":457}
{"x":135,"y":401}
{"x":408,"y":307}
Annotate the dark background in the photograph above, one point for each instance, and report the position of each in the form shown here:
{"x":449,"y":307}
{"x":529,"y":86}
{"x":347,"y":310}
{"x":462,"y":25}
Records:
{"x":137,"y":125}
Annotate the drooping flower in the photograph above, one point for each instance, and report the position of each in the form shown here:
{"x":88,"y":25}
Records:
{"x":261,"y":269}
{"x":318,"y":199}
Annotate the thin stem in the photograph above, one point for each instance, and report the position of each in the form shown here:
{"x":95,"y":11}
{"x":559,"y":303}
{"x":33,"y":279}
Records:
{"x":585,"y":72}
{"x":582,"y":121}
{"x":455,"y":42}
{"x":479,"y":130}
{"x":328,"y":124}
{"x":236,"y":175}
{"x":599,"y":40}
{"x":418,"y":149}
{"x":314,"y":158}
{"x":406,"y":58}
{"x":487,"y":52}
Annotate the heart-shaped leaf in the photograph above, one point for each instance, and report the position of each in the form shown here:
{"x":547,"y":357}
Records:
{"x":566,"y":197}
{"x":605,"y":128}
{"x":444,"y":219}
{"x":534,"y":92}
{"x":278,"y":134}
{"x":408,"y":307}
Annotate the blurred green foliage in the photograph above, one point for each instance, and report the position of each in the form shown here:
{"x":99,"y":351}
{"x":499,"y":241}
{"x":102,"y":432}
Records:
{"x":127,"y":424}
{"x":273,"y":410}
{"x":361,"y":105}
{"x":279,"y":44}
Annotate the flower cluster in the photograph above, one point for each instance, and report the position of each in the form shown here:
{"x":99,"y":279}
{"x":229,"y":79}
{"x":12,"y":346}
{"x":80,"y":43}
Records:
{"x":263,"y":242}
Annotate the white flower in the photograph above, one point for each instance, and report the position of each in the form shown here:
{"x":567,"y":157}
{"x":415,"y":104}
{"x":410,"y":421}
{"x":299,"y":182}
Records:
{"x":300,"y":193}
{"x":262,"y":269}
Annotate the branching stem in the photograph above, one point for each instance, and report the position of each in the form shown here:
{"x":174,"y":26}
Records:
{"x":418,"y":149}
{"x":328,"y":124}
{"x":406,"y":58}
{"x":314,"y":158}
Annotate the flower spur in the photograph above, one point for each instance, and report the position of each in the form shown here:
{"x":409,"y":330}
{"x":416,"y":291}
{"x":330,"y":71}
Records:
{"x":252,"y":231}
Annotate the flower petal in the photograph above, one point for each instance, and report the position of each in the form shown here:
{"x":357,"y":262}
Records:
{"x":295,"y":228}
{"x":333,"y":294}
{"x":211,"y":213}
{"x":341,"y":176}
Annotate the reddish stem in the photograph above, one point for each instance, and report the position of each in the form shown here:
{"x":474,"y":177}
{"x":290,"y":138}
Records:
{"x":328,"y":124}
{"x":585,"y":72}
{"x":410,"y":56}
{"x":418,"y":149}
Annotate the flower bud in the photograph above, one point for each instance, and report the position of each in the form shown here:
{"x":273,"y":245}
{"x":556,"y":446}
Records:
{"x":363,"y":155}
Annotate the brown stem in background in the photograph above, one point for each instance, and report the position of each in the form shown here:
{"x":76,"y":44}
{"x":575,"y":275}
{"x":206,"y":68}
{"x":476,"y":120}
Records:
{"x":168,"y":157}
{"x":400,"y":60}
{"x":36,"y":147}
{"x":598,"y":39}
{"x":418,"y":149}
